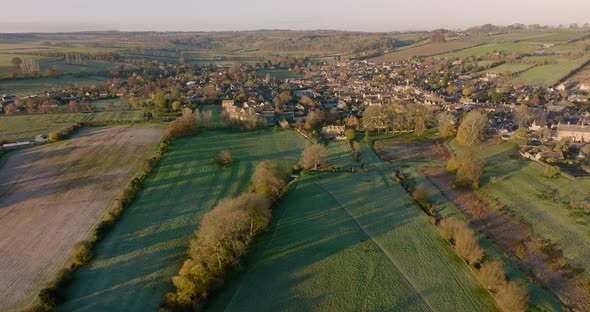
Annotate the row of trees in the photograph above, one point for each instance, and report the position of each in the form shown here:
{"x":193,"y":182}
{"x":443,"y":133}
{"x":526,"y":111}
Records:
{"x":391,"y":118}
{"x":189,"y":123}
{"x":223,"y":236}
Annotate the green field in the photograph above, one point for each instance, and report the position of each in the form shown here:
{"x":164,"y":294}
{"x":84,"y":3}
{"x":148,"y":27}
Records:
{"x":333,"y":249}
{"x":492,"y":48}
{"x":135,"y":262}
{"x":548,"y":75}
{"x":27,"y":127}
{"x":33,"y":86}
{"x":509,"y":68}
{"x":279,"y":74}
{"x":412,"y":168}
{"x":540,"y":201}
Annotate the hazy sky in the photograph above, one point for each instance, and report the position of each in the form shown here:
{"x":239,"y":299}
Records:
{"x":363,"y":15}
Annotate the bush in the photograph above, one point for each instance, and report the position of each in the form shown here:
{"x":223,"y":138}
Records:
{"x":82,"y":253}
{"x":492,"y":275}
{"x":225,"y":158}
{"x":53,"y":136}
{"x":512,"y":298}
{"x":268,"y":180}
{"x":448,"y":227}
{"x":467,"y":246}
{"x":551,"y":171}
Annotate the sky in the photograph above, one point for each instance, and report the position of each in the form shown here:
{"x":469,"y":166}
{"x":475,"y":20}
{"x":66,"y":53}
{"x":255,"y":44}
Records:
{"x":222,"y":15}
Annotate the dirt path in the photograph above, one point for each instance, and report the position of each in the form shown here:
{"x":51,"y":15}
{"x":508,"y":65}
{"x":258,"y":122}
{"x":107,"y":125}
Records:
{"x":532,"y":254}
{"x":50,"y":197}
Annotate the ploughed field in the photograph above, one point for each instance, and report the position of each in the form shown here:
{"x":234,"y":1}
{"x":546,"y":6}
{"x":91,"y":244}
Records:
{"x":51,"y":196}
{"x":135,"y":261}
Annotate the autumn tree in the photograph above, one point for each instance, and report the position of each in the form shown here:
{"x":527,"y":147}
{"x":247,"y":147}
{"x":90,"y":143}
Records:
{"x":520,"y":136}
{"x":315,"y":117}
{"x":445,"y":124}
{"x":468,"y":167}
{"x":225,"y":158}
{"x":16,"y":61}
{"x":512,"y":298}
{"x":268,"y":180}
{"x":471,"y":130}
{"x":523,"y":116}
{"x":313,"y":156}
{"x":492,"y":275}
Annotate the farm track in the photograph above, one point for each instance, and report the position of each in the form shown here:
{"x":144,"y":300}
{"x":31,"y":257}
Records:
{"x":54,"y":198}
{"x":392,"y":261}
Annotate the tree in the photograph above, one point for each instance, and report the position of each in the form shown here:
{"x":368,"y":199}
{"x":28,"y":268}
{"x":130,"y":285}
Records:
{"x":513,"y":298}
{"x":492,"y":275}
{"x":445,"y":124}
{"x":10,"y":109}
{"x":175,"y":105}
{"x":471,"y":130}
{"x":315,"y":117}
{"x":520,"y":136}
{"x":313,"y":156}
{"x":523,"y":116}
{"x":16,"y":61}
{"x":225,"y":158}
{"x":268,"y":180}
{"x":350,"y":135}
{"x":468,"y":167}
{"x":467,"y":246}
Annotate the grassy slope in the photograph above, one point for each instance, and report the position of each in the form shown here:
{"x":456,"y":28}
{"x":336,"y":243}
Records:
{"x":397,"y":226}
{"x":550,"y":74}
{"x":32,"y":86}
{"x":134,"y":263}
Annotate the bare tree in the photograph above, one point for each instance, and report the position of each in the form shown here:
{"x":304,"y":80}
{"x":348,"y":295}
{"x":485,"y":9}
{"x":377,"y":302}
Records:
{"x":492,"y":275}
{"x":445,"y":124}
{"x":471,"y":130}
{"x":313,"y":156}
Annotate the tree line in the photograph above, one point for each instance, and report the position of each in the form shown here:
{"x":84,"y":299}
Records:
{"x":223,"y":236}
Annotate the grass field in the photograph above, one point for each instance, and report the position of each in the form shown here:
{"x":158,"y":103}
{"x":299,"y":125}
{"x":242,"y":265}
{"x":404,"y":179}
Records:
{"x":51,"y":196}
{"x":540,"y":201}
{"x":492,"y":48}
{"x":428,"y":49}
{"x":33,"y":86}
{"x":134,"y":263}
{"x":329,"y":240}
{"x":279,"y":74}
{"x":27,"y":127}
{"x":548,"y":75}
{"x":509,"y":68}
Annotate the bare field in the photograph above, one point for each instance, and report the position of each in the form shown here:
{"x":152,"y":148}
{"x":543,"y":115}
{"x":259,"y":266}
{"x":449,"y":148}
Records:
{"x":51,"y":196}
{"x":429,"y":49}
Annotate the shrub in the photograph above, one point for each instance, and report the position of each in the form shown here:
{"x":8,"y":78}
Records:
{"x":512,"y":298}
{"x":467,"y":246}
{"x":492,"y":275}
{"x":448,"y":227}
{"x":82,"y":253}
{"x":225,"y":158}
{"x":268,"y":180}
{"x":53,"y":136}
{"x":551,"y":171}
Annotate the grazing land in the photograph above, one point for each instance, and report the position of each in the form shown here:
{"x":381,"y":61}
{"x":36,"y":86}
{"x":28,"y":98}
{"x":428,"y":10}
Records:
{"x":429,"y":156}
{"x":34,"y":86}
{"x":50,"y":197}
{"x":511,"y":68}
{"x":429,"y":49}
{"x":550,"y":74}
{"x":328,"y":239}
{"x":540,"y":201}
{"x":27,"y":127}
{"x":162,"y":219}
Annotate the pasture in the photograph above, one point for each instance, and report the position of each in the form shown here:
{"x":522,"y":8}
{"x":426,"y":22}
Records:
{"x":540,"y":201}
{"x":428,"y":49}
{"x":334,"y":249}
{"x":135,"y":262}
{"x":490,"y":48}
{"x":279,"y":74}
{"x":509,"y":68}
{"x":27,"y":127}
{"x":51,"y":196}
{"x":550,"y":74}
{"x":425,"y":156}
{"x":34,"y":86}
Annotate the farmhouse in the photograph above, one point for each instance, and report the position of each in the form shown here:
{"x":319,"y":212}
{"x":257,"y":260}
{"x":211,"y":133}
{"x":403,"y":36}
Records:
{"x":579,"y":133}
{"x":333,"y":132}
